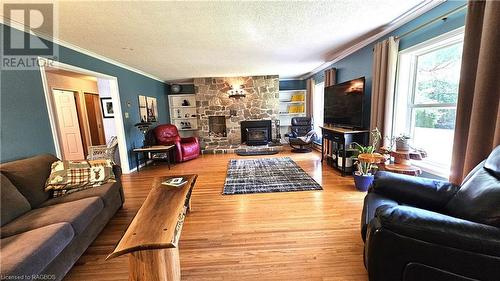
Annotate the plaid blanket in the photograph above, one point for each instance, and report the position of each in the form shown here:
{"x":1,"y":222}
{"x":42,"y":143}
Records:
{"x":70,"y":176}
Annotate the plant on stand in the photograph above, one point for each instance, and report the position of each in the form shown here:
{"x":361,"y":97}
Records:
{"x":401,"y":143}
{"x":367,"y":160}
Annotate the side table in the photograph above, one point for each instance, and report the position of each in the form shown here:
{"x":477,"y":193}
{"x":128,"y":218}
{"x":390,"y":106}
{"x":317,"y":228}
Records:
{"x":402,"y":162}
{"x":403,"y":169}
{"x":151,"y":149}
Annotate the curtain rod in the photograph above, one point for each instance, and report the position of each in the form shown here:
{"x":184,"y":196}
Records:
{"x":441,"y":17}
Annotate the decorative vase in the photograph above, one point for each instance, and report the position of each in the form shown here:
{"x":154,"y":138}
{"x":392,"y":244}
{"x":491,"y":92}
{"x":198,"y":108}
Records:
{"x":175,"y":88}
{"x":363,"y":182}
{"x":402,"y":145}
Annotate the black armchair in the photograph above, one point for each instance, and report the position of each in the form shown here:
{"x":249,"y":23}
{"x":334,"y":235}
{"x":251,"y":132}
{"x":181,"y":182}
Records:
{"x":423,"y":229}
{"x":302,"y":134}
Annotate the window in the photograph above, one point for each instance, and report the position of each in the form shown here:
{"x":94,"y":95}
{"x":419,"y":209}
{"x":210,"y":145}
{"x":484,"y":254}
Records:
{"x":318,"y":108}
{"x":426,"y":98}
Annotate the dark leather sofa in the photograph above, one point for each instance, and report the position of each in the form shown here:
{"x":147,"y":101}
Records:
{"x":423,"y":229}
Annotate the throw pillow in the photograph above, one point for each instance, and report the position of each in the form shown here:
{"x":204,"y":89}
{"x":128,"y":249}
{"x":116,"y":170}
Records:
{"x":70,"y":176}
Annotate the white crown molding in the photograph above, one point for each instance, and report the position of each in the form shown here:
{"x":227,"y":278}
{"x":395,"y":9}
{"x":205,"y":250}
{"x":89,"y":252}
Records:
{"x":74,"y":47}
{"x":408,"y":16}
{"x":290,"y":79}
{"x":181,"y":81}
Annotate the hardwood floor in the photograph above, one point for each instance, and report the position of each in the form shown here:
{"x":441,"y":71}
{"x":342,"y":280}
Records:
{"x":309,"y":235}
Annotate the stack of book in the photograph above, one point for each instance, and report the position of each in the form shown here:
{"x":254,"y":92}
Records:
{"x":175,"y":182}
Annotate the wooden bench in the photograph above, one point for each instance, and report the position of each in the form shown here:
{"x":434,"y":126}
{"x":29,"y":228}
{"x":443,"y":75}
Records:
{"x":152,"y":237}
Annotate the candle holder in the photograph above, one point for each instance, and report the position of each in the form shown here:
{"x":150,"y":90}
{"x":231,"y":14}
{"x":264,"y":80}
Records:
{"x":144,"y":128}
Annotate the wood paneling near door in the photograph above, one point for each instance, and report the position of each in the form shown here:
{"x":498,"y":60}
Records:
{"x":94,"y":115}
{"x":308,"y":235}
{"x":82,"y":120}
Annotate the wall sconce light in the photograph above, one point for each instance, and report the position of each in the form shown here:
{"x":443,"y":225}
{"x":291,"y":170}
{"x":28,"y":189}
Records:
{"x":236,"y":93}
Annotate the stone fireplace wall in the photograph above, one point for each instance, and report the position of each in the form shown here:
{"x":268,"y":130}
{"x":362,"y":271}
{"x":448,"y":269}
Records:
{"x":212,"y":99}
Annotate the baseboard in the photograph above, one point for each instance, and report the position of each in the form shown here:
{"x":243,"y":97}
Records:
{"x":317,"y":147}
{"x":140,"y":166}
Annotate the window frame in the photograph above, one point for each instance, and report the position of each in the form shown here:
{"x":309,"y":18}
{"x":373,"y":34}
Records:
{"x":408,"y":60}
{"x":316,"y":107}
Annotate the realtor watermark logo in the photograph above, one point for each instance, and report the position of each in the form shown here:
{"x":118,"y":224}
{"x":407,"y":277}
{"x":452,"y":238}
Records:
{"x":22,"y":35}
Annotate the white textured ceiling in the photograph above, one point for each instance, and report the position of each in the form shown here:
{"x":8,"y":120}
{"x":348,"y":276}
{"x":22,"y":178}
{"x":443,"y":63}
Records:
{"x":179,"y":40}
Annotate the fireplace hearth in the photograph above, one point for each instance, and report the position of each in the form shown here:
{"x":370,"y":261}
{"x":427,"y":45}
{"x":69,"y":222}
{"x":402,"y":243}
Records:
{"x":256,"y":132}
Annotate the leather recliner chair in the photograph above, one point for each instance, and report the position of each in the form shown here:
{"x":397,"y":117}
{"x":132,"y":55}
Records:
{"x":302,"y":134}
{"x":423,"y":229}
{"x":186,"y":148}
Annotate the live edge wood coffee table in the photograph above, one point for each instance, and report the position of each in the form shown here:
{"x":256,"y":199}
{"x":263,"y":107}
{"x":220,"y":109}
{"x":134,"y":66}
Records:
{"x":151,"y":239}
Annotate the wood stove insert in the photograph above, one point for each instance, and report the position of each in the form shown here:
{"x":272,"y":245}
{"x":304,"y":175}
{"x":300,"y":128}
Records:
{"x":256,"y":132}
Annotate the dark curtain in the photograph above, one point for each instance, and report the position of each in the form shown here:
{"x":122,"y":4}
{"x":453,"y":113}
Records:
{"x":477,"y":129}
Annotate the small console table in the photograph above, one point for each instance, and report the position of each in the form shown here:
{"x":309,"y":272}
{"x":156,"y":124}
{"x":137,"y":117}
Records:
{"x":151,"y":149}
{"x":339,"y":140}
{"x":151,"y":239}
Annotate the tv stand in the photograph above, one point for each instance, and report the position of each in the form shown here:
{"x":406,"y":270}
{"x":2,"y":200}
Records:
{"x":343,"y":127}
{"x":336,"y":140}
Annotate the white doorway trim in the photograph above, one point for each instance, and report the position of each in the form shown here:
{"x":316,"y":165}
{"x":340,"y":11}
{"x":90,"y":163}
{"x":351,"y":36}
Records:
{"x":115,"y":95}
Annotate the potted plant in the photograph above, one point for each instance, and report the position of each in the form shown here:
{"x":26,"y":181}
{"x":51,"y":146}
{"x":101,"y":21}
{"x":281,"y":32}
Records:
{"x":366,"y":162}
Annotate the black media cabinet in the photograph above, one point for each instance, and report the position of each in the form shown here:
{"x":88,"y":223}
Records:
{"x":337,"y":143}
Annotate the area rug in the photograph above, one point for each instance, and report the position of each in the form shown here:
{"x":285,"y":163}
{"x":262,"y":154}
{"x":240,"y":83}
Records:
{"x":266,"y":175}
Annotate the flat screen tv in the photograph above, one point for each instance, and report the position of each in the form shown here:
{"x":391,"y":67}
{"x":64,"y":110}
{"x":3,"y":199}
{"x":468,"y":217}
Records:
{"x":344,"y":104}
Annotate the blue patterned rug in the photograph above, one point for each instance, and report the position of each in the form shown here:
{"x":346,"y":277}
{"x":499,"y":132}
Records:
{"x":266,"y":175}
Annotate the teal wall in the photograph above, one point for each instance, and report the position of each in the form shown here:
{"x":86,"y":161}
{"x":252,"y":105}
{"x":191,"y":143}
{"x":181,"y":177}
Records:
{"x":360,"y":63}
{"x":25,"y":127}
{"x":292,"y":85}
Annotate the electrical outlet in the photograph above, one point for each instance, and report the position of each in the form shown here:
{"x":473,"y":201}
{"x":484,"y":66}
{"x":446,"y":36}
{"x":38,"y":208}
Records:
{"x":126,"y":115}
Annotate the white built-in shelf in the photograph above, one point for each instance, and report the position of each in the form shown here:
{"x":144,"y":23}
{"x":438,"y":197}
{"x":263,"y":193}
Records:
{"x":287,"y":101}
{"x":177,"y":109}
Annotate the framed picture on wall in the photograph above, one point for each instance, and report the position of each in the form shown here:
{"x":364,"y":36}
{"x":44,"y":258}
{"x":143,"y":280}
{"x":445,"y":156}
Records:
{"x":143,"y":109}
{"x":152,"y":109}
{"x":107,"y":108}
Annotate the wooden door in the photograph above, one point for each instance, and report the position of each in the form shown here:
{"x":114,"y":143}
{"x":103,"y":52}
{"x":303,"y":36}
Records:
{"x":82,"y":117}
{"x":68,"y":127}
{"x":94,"y":115}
